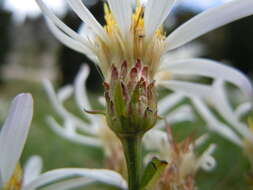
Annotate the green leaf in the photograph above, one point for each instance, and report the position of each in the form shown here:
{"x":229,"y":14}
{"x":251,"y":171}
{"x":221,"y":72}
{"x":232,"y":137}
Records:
{"x":152,"y":173}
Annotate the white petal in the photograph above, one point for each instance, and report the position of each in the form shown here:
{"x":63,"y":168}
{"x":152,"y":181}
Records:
{"x":62,"y":112}
{"x":190,"y":50}
{"x":168,"y":102}
{"x":209,"y":20}
{"x":64,"y":93}
{"x":220,"y":101}
{"x":101,"y":175}
{"x":32,"y":169}
{"x":207,"y":161}
{"x":181,"y":114}
{"x":87,"y":17}
{"x":71,"y":134}
{"x":209,"y":68}
{"x":122,"y":12}
{"x":69,"y":42}
{"x":81,"y":97}
{"x":80,"y":88}
{"x":70,"y":184}
{"x":155,"y":14}
{"x":213,"y":123}
{"x":187,"y":88}
{"x":86,"y":32}
{"x":155,"y":139}
{"x":59,"y":23}
{"x":242,"y":109}
{"x":14,"y":133}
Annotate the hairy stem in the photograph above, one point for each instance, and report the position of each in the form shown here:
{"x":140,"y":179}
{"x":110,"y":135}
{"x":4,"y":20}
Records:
{"x":132,"y":151}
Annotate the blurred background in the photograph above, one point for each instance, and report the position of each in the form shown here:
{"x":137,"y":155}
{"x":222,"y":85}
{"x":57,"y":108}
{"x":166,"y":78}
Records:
{"x":30,"y":53}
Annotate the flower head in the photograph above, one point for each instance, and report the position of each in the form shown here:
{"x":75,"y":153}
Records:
{"x":95,"y":132}
{"x":12,"y":139}
{"x":130,"y":34}
{"x":135,"y":35}
{"x":183,"y":161}
{"x":234,"y":129}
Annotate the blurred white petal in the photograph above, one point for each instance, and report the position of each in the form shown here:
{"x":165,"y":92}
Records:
{"x":190,"y":50}
{"x":213,"y":123}
{"x":207,"y":161}
{"x":155,"y":14}
{"x":101,"y":175}
{"x":62,"y":112}
{"x":14,"y":133}
{"x":82,"y":11}
{"x":81,"y":97}
{"x":64,"y":93}
{"x":70,"y":133}
{"x":54,"y":19}
{"x":168,"y":102}
{"x":70,"y":184}
{"x":209,"y":20}
{"x":69,"y":42}
{"x":220,"y":102}
{"x":122,"y":12}
{"x":187,"y":88}
{"x":181,"y":114}
{"x":86,"y":32}
{"x":32,"y":169}
{"x":155,"y":139}
{"x":243,"y":109}
{"x":209,"y":68}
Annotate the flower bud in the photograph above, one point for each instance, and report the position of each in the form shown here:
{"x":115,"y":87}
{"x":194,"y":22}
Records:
{"x":131,"y":99}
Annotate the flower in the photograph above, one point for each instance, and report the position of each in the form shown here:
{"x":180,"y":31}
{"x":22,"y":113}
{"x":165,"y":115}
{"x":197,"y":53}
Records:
{"x":95,"y":132}
{"x":12,"y":139}
{"x":183,"y":161}
{"x":128,"y":35}
{"x":240,"y":134}
{"x":134,"y":40}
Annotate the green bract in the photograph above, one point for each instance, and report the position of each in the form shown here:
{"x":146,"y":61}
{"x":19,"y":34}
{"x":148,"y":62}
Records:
{"x":131,"y":100}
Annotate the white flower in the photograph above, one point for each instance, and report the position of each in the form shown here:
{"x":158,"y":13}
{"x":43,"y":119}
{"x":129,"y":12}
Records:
{"x":183,"y":162}
{"x":240,"y":133}
{"x":95,"y":131}
{"x":132,"y":34}
{"x":12,"y":139}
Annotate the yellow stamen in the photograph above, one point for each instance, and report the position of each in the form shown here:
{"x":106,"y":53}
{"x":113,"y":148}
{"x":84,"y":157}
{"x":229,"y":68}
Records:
{"x":15,"y":182}
{"x":131,"y":45}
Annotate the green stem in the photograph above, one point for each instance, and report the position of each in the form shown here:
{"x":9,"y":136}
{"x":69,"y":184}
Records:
{"x":132,"y":151}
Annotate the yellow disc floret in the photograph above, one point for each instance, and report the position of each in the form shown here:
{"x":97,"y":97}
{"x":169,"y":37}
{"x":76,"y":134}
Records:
{"x":130,"y":46}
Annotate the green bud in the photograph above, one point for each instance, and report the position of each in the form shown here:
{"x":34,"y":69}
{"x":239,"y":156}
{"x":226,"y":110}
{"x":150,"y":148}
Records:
{"x":131,"y":99}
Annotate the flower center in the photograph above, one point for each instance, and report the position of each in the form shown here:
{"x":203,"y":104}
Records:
{"x":132,"y":46}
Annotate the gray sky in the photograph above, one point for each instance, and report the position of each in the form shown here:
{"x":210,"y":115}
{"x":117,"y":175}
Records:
{"x":22,"y":8}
